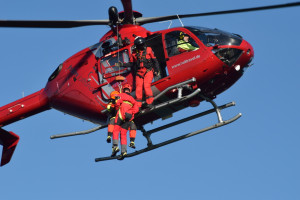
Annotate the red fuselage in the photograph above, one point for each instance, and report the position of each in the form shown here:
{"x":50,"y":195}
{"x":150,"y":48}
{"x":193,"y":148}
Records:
{"x":81,"y":85}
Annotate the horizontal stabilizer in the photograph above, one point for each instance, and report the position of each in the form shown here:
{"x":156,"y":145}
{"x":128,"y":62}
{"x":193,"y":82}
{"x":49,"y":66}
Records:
{"x":9,"y":140}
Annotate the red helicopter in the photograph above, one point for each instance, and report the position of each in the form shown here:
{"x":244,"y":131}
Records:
{"x":81,"y":85}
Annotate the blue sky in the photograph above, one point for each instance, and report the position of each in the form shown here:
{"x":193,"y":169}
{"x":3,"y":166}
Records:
{"x":256,"y":157}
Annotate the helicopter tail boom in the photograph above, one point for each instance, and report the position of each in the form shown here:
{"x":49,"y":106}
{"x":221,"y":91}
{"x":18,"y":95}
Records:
{"x":15,"y":111}
{"x":24,"y":107}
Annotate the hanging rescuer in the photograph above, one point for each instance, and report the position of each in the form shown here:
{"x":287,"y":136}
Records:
{"x":126,"y":107}
{"x":146,"y":66}
{"x":112,"y":114}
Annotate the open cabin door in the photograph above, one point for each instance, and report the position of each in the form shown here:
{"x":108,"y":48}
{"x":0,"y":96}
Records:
{"x":155,"y":42}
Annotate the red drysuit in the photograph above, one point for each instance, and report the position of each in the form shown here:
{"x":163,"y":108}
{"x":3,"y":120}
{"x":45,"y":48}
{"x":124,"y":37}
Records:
{"x":126,"y":107}
{"x":146,"y":64}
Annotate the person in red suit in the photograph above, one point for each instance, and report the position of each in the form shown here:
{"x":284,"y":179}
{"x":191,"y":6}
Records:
{"x":146,"y":66}
{"x":126,"y":107}
{"x":111,"y":121}
{"x":112,"y":115}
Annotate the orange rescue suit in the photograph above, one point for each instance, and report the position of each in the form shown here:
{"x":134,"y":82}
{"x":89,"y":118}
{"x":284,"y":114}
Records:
{"x":126,"y":107}
{"x":146,"y":64}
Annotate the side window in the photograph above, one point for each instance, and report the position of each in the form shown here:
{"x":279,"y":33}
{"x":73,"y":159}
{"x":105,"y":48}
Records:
{"x":103,"y":48}
{"x":108,"y":46}
{"x":171,"y":40}
{"x":110,"y":61}
{"x":178,"y":42}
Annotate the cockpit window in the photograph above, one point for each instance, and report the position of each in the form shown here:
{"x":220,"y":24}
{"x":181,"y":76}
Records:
{"x":178,"y":42}
{"x":105,"y":47}
{"x":212,"y":37}
{"x":55,"y":73}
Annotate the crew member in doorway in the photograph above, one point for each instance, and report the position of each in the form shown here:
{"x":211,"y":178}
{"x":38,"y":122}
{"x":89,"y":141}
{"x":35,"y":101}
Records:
{"x":146,"y":66}
{"x":184,"y":44}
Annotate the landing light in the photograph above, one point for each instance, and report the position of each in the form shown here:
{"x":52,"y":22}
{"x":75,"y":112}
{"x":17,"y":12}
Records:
{"x":237,"y":67}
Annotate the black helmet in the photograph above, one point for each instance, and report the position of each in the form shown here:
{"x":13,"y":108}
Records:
{"x":182,"y":35}
{"x":139,"y":42}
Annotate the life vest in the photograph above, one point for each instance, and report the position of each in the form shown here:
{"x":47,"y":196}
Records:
{"x":185,"y":46}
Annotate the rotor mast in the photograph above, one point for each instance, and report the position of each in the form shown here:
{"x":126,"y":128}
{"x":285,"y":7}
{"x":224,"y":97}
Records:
{"x":127,"y":5}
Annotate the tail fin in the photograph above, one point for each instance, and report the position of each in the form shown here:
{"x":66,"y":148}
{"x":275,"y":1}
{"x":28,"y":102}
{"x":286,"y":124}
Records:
{"x":15,"y":111}
{"x":9,"y":140}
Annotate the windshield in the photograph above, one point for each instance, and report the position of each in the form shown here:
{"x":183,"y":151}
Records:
{"x":102,"y":48}
{"x":212,"y":37}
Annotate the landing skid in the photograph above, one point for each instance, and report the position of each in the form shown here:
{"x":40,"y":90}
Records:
{"x":152,"y":146}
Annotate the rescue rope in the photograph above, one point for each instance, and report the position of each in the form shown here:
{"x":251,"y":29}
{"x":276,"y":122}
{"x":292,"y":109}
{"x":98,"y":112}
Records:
{"x":119,"y":73}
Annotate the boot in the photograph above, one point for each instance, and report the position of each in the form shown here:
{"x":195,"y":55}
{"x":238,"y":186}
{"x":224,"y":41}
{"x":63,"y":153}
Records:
{"x":115,"y":150}
{"x":132,"y":145}
{"x":108,"y":139}
{"x":122,"y":156}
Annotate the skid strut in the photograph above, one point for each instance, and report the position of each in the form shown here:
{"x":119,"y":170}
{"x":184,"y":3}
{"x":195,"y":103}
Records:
{"x":179,"y":98}
{"x":147,"y":134}
{"x":78,"y":132}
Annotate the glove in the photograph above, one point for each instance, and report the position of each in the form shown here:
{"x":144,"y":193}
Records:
{"x":132,"y":145}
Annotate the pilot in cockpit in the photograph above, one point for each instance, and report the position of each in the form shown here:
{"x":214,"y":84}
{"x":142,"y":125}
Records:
{"x":184,"y":44}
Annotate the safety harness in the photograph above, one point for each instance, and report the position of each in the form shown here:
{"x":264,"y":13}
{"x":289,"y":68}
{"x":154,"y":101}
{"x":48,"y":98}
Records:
{"x":141,"y":58}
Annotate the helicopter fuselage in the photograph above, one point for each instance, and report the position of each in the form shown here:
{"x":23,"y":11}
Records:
{"x":81,"y":85}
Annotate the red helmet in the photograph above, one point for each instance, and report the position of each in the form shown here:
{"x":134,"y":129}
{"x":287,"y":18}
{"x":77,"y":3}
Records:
{"x":127,"y":86}
{"x":113,"y":94}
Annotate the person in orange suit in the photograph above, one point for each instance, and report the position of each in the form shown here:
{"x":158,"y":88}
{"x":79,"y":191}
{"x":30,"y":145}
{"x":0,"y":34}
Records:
{"x":111,"y":123}
{"x":126,"y":107}
{"x":112,"y":115}
{"x":146,"y":66}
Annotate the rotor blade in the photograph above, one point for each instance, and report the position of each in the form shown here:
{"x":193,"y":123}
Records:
{"x":144,"y":20}
{"x":50,"y":23}
{"x":127,"y":5}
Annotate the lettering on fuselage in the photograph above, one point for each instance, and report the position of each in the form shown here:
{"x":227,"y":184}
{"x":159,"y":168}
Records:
{"x":185,"y":61}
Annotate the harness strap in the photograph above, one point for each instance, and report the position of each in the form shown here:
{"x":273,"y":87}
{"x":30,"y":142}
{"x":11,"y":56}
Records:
{"x":143,"y":76}
{"x":140,"y":76}
{"x":128,"y":103}
{"x":120,"y":115}
{"x":149,"y":97}
{"x":142,"y":59}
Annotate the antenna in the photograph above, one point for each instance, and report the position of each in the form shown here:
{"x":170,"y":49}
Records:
{"x":168,"y":21}
{"x":180,"y":20}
